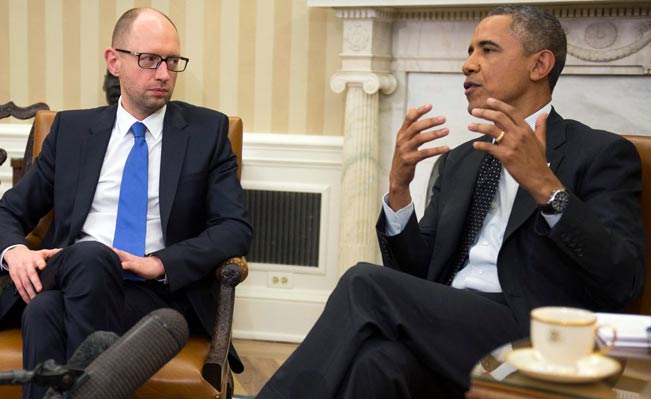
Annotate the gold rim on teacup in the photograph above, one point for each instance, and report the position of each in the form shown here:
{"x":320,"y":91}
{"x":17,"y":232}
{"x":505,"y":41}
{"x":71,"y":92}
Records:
{"x":590,"y":318}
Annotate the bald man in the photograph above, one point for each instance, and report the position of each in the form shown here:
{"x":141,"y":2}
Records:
{"x":127,"y":237}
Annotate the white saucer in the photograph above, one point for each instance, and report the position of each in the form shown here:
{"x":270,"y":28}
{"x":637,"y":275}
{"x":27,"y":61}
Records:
{"x":591,"y":368}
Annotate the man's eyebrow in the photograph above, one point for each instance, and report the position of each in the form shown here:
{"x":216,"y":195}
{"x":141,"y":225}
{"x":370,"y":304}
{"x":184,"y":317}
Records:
{"x":484,"y":43}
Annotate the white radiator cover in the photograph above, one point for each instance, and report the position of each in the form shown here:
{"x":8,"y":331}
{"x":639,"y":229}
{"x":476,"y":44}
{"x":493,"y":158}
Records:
{"x":302,"y":163}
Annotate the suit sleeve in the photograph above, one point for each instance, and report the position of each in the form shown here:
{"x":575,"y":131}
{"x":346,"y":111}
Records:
{"x":221,"y":232}
{"x":411,"y":250}
{"x":601,"y":230}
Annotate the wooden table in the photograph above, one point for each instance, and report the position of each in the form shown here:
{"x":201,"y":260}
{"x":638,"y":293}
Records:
{"x":493,"y":378}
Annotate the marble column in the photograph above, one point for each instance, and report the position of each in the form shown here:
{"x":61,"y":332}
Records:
{"x":365,"y":75}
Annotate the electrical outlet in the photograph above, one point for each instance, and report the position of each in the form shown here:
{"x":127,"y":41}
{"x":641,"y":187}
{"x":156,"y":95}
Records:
{"x":280,"y":280}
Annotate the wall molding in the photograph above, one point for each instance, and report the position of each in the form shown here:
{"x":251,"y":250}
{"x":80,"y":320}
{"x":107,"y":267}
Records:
{"x":460,"y":3}
{"x":294,"y":149}
{"x":475,"y":14}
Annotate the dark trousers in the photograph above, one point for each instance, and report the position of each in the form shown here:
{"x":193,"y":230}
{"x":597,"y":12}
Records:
{"x":387,"y":334}
{"x":83,"y":291}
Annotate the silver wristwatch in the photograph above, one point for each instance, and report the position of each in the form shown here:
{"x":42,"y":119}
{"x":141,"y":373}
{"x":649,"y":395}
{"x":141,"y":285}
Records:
{"x":557,"y":202}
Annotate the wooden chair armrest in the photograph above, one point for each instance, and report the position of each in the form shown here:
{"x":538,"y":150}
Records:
{"x":232,"y":271}
{"x":17,"y":166}
{"x":3,"y":156}
{"x":216,"y":369}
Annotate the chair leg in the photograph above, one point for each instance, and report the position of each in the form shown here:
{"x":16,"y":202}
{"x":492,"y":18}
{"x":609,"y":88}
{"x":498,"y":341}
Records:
{"x":231,"y":386}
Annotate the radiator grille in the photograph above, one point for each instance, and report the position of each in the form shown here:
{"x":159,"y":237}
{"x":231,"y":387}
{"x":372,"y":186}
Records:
{"x":286,"y":227}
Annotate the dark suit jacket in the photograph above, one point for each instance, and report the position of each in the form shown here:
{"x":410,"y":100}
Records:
{"x":202,"y":206}
{"x":593,"y":258}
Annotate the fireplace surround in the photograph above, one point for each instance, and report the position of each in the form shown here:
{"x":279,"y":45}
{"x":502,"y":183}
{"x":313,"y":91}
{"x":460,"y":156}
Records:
{"x":397,"y":54}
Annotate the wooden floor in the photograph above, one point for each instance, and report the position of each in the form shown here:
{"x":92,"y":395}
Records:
{"x":261,"y":359}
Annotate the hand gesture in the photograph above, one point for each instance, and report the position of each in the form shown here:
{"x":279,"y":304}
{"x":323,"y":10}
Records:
{"x":407,"y":152}
{"x":521,"y":151}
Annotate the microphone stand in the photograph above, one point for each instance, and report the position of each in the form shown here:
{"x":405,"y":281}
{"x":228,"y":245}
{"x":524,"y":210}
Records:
{"x":48,"y":374}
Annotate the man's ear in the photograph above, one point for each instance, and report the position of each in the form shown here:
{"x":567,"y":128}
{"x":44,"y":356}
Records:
{"x":112,"y":61}
{"x":543,"y":63}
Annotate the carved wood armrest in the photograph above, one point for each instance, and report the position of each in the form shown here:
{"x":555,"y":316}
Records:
{"x":17,"y":166}
{"x":216,"y":369}
{"x":232,"y":271}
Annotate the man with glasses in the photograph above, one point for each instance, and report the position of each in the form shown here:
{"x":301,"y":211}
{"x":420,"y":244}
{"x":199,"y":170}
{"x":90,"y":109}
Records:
{"x":146,"y":203}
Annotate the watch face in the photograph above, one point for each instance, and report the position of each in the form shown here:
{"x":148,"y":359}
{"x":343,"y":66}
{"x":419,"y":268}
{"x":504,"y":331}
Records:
{"x":559,"y":201}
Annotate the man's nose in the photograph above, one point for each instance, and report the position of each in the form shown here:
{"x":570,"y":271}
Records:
{"x":469,"y":66}
{"x":162,"y":73}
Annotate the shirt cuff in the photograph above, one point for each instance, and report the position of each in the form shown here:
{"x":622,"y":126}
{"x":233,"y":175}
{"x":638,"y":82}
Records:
{"x":3,"y":264}
{"x":396,"y":221}
{"x":552,"y":220}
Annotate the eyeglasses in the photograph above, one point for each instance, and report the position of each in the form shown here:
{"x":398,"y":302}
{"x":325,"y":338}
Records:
{"x":153,"y":61}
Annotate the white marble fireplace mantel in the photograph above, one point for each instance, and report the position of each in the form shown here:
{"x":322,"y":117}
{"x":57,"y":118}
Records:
{"x":398,"y":54}
{"x":457,"y":3}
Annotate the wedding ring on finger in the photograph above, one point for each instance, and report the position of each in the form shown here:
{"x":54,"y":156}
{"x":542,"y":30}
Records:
{"x":500,"y":137}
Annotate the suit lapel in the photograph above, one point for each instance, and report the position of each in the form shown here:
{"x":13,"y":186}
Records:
{"x":175,"y":140}
{"x":524,"y":204}
{"x":92,"y":148}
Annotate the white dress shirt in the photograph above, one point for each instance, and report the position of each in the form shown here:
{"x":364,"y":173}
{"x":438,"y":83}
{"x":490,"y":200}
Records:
{"x":101,"y":219}
{"x":480,"y":272}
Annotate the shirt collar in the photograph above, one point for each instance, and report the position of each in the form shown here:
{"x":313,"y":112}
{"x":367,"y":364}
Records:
{"x":153,"y":122}
{"x":531,"y":119}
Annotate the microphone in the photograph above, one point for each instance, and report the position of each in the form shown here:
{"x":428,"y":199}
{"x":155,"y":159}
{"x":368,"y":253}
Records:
{"x":134,"y":358}
{"x":86,"y":352}
{"x":47,"y":373}
{"x":59,"y":377}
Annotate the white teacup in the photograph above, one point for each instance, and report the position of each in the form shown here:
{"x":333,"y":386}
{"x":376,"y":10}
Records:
{"x":564,"y":335}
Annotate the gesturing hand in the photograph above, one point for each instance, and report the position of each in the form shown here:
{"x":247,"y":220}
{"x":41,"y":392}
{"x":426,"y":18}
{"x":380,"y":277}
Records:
{"x":24,"y":265}
{"x":521,"y":151}
{"x":407,"y":152}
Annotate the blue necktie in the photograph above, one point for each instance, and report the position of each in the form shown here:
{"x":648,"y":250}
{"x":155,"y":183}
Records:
{"x":131,"y":224}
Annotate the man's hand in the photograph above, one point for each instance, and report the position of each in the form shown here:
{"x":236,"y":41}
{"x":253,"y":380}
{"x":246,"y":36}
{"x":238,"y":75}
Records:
{"x":148,"y":267}
{"x":521,"y":151}
{"x":23,"y":264}
{"x":407,"y":154}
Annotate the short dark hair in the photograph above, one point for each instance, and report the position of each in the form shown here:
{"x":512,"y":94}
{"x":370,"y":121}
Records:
{"x":123,"y":25}
{"x":538,"y":30}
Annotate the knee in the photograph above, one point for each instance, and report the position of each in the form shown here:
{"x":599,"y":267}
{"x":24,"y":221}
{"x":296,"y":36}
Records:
{"x":94,"y":260}
{"x":358,"y":288}
{"x":363,"y":278}
{"x":92,"y":251}
{"x":361,"y":272}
